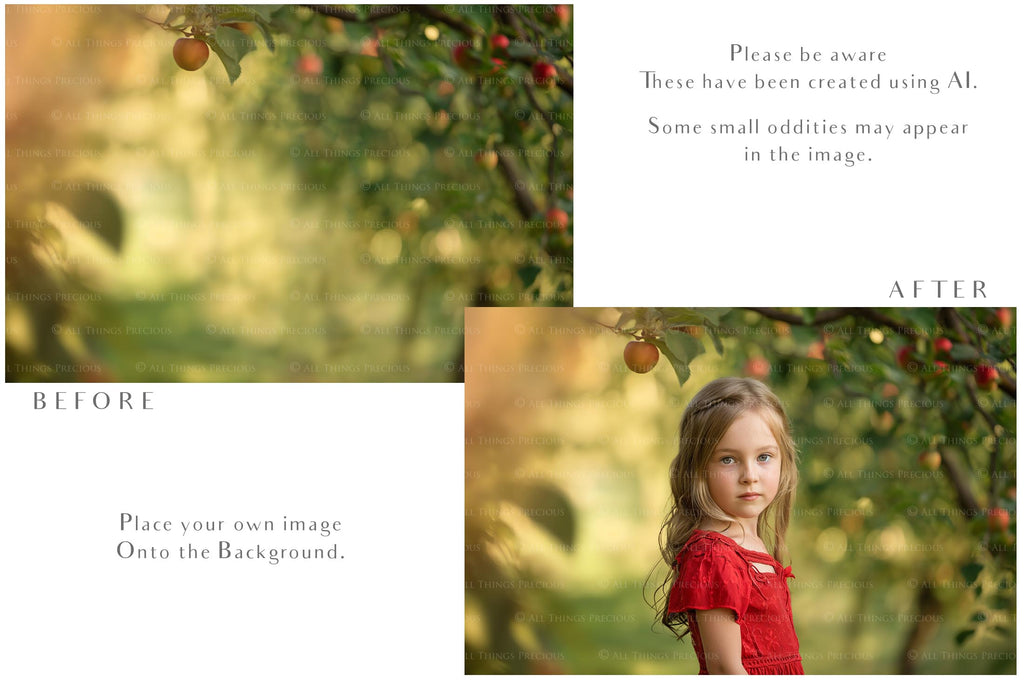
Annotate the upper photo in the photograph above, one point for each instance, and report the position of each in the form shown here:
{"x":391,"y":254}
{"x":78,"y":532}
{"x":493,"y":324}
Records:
{"x":280,"y":193}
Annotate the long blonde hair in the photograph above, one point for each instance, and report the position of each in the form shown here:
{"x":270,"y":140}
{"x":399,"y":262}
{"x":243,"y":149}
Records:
{"x":705,"y":421}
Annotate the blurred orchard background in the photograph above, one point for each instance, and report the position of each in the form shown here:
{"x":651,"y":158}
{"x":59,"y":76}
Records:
{"x":320,"y":211}
{"x":903,"y":538}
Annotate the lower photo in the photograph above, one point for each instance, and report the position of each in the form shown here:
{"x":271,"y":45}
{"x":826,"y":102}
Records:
{"x":740,"y":490}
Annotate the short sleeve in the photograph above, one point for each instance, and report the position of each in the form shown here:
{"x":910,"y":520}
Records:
{"x":711,"y":576}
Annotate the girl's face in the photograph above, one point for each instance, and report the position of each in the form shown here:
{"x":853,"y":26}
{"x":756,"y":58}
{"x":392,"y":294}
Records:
{"x":743,"y":474}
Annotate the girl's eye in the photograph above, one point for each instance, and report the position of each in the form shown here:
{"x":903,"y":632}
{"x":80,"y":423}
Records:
{"x":727,"y":460}
{"x":764,"y":456}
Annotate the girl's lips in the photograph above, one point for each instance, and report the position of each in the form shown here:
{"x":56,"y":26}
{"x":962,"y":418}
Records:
{"x":750,"y":496}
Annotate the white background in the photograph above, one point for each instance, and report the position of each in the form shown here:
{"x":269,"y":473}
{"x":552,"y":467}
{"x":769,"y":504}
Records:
{"x":386,"y":460}
{"x":657,"y":220}
{"x":662,"y":220}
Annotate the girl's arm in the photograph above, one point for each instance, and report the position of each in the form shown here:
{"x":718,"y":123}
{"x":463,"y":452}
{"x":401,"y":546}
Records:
{"x":723,"y":648}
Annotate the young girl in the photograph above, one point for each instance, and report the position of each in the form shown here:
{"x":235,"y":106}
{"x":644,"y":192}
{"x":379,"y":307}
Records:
{"x":732,"y":489}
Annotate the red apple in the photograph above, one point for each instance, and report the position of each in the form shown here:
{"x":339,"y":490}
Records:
{"x":499,"y":42}
{"x":488,"y":159}
{"x":309,"y":65}
{"x":558,"y":14}
{"x":544,"y":75}
{"x":1005,"y":317}
{"x":930,"y":459}
{"x":190,"y":53}
{"x":368,"y":47}
{"x":640,"y":356}
{"x":998,"y":519}
{"x":757,"y":368}
{"x":497,"y":66}
{"x":905,"y":358}
{"x":986,"y":376}
{"x":884,"y":421}
{"x":816,"y":351}
{"x":557,"y":220}
{"x":942,"y":346}
{"x":462,"y":55}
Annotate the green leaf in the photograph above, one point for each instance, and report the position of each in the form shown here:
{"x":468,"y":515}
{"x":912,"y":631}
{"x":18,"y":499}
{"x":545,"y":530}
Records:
{"x":713,"y":315}
{"x":683,"y":346}
{"x":520,"y":50}
{"x":549,"y":508}
{"x":231,"y":64}
{"x":716,"y":341}
{"x":50,"y":238}
{"x":501,"y":534}
{"x":625,"y":317}
{"x":963,"y":351}
{"x":264,"y":11}
{"x":231,"y":13}
{"x":970,"y":572}
{"x":528,"y":274}
{"x":264,"y":28}
{"x":234,"y":42}
{"x":97,"y":210}
{"x":681,"y":368}
{"x":963,"y":636}
{"x":920,"y":318}
{"x":173,"y":15}
{"x":684,"y":316}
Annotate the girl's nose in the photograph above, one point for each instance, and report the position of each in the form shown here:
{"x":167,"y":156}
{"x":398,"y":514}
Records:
{"x":749,"y":474}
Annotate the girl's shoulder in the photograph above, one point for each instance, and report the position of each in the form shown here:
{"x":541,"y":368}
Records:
{"x":706,"y":543}
{"x":712,"y":544}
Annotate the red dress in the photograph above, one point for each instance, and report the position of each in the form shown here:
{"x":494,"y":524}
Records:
{"x":716,"y":573}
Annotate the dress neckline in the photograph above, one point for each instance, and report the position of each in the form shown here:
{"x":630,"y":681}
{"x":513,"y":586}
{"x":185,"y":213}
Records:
{"x":738,"y":546}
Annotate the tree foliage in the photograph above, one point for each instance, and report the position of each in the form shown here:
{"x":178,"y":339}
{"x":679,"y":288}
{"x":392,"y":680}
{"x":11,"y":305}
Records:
{"x":345,"y":136}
